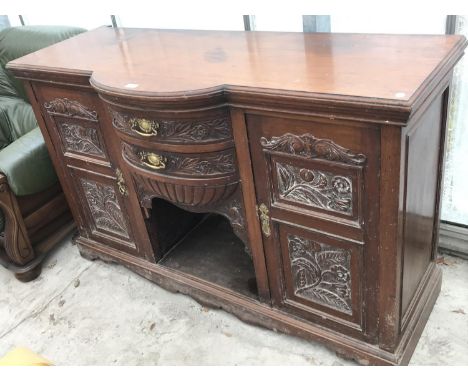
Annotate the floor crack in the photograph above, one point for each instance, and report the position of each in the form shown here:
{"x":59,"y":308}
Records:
{"x":44,"y":307}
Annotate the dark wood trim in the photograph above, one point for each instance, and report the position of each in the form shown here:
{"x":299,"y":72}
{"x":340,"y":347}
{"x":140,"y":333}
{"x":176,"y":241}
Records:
{"x":440,"y":171}
{"x":250,"y":203}
{"x":18,"y":248}
{"x":27,"y":241}
{"x":46,"y":213}
{"x":390,"y":252}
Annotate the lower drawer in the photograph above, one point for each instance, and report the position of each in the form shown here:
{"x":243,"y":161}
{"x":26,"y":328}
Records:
{"x":193,"y":165}
{"x":187,"y":179}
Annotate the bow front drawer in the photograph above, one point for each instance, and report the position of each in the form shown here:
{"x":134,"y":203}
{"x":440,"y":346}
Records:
{"x":213,"y":129}
{"x":187,"y":165}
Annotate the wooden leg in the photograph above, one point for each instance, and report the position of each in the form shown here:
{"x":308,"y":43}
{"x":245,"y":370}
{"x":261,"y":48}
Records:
{"x":29,"y":275}
{"x":17,"y":245}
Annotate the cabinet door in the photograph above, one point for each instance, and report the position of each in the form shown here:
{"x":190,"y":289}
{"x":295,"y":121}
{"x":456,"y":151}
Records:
{"x":88,"y":169}
{"x":104,"y":209}
{"x":312,"y":177}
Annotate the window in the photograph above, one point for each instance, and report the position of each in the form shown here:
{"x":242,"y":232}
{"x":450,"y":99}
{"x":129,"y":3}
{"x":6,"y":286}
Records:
{"x":455,"y":192}
{"x":183,"y":21}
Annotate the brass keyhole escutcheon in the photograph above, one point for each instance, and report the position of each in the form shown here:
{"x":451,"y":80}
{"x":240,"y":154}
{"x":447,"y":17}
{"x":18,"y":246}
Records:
{"x":154,"y":161}
{"x":265,"y":219}
{"x":121,"y":183}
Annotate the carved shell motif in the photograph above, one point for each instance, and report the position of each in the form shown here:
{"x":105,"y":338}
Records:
{"x":307,"y":145}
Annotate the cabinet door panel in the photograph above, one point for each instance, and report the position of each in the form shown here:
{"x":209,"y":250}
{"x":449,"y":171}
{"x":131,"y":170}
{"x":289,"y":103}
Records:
{"x":104,"y":209}
{"x":100,"y":193}
{"x":315,"y":187}
{"x":74,"y":122}
{"x":81,"y":139}
{"x":321,"y":275}
{"x":313,"y":180}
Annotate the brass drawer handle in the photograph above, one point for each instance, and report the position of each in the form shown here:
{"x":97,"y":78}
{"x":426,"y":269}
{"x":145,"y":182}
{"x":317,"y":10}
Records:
{"x":264,"y":219}
{"x":154,"y":161}
{"x":121,"y":183}
{"x":144,"y":127}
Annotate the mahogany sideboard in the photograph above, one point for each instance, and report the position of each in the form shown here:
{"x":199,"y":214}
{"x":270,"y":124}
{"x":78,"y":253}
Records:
{"x":291,"y":179}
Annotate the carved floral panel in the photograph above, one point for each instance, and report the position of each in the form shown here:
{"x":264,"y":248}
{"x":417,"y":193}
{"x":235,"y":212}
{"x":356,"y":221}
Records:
{"x":219,"y":163}
{"x":84,"y":140}
{"x":321,"y":273}
{"x":104,"y":207}
{"x":320,"y":189}
{"x":179,"y":131}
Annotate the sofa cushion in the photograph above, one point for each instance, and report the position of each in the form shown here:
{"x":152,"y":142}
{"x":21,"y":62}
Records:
{"x":6,"y":83}
{"x":16,"y":42}
{"x":5,"y":135}
{"x":16,"y":119}
{"x":27,"y":165}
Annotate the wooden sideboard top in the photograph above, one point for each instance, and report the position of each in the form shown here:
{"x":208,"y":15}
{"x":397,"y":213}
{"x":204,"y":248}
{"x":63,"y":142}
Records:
{"x":150,"y":62}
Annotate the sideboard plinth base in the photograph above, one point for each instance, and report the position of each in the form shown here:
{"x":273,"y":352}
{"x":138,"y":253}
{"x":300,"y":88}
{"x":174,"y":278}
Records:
{"x":254,"y":312}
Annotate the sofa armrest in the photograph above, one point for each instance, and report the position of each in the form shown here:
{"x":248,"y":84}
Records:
{"x":27,"y":165}
{"x":19,"y":41}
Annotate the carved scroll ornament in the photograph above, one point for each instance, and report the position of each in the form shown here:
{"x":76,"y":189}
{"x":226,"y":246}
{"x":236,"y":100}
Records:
{"x":70,"y":108}
{"x":308,"y":146}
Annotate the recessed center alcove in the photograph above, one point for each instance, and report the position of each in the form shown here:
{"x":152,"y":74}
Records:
{"x":202,"y":245}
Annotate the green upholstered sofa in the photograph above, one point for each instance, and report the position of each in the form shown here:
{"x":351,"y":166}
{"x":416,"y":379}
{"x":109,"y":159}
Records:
{"x":34,"y":215}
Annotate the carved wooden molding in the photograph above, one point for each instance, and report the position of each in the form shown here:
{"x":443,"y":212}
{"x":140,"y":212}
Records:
{"x":321,"y":273}
{"x":234,"y":211}
{"x":70,"y":108}
{"x":17,"y":245}
{"x":220,"y":163}
{"x":217,"y":164}
{"x":104,"y":207}
{"x":308,"y":146}
{"x":179,"y":131}
{"x":226,"y":200}
{"x":192,"y":196}
{"x":321,"y":189}
{"x":81,"y":139}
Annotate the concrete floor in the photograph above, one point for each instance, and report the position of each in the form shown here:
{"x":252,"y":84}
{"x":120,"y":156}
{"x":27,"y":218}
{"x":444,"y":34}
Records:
{"x":91,"y":313}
